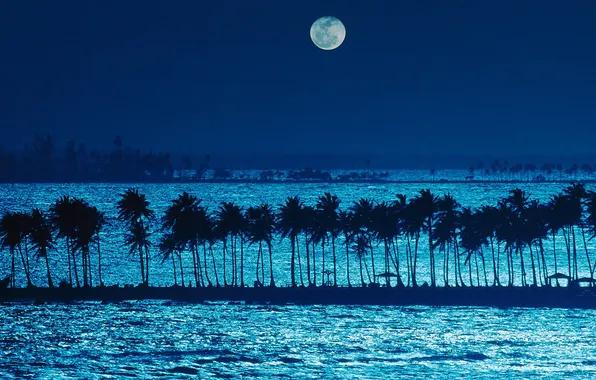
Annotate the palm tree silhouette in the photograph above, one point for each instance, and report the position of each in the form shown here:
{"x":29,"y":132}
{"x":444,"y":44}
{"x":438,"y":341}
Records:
{"x":576,"y":195}
{"x":88,"y":224}
{"x":290,"y":223}
{"x":427,"y":206}
{"x":42,"y":239}
{"x":362,"y":212}
{"x":182,"y":221}
{"x":63,"y":215}
{"x":13,"y":232}
{"x":169,"y":249}
{"x":133,"y":209}
{"x":138,"y":241}
{"x":231,"y":224}
{"x":556,"y":222}
{"x":489,"y":221}
{"x":345,"y":225}
{"x":328,"y":207}
{"x":445,"y":231}
{"x":261,"y":229}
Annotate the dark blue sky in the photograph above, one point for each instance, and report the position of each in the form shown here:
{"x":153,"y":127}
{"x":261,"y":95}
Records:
{"x":454,"y":77}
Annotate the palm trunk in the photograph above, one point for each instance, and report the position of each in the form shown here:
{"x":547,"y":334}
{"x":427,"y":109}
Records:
{"x":194,"y":265}
{"x":293,"y":261}
{"x":12,"y":267}
{"x":50,"y":283}
{"x":205,"y":265}
{"x":307,"y":260}
{"x":334,"y":261}
{"x":272,"y":281}
{"x":534,"y":279}
{"x":69,"y":263}
{"x":299,"y":263}
{"x":414,"y":283}
{"x":174,"y":269}
{"x":99,"y":262}
{"x":141,"y":261}
{"x":262,"y":262}
{"x":241,"y":262}
{"x":225,"y":248}
{"x":348,"y":262}
{"x":29,"y":283}
{"x":574,"y":252}
{"x":495,"y":275}
{"x":314,"y":265}
{"x":372,"y":259}
{"x":361,"y":274}
{"x":181,"y":268}
{"x":587,"y":254}
{"x":323,"y":260}
{"x":214,"y":266}
{"x":555,"y":255}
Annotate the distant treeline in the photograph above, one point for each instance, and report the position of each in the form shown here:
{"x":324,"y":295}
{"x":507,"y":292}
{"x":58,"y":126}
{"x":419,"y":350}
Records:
{"x":43,"y":161}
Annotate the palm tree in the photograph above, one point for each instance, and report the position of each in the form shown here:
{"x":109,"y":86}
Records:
{"x":169,"y":248}
{"x":385,"y":222}
{"x":328,"y":206}
{"x":362,"y":211}
{"x":138,"y":240}
{"x":290,"y":223}
{"x":261,"y":229}
{"x":133,"y":209}
{"x":591,"y":220}
{"x":345,"y":223}
{"x":445,"y":230}
{"x":576,"y":195}
{"x":231,"y":224}
{"x":42,"y":239}
{"x":88,"y":224}
{"x":489,"y":221}
{"x":13,"y":231}
{"x":427,"y":206}
{"x":556,"y":222}
{"x":63,"y":216}
{"x":181,"y":226}
{"x":360,"y":248}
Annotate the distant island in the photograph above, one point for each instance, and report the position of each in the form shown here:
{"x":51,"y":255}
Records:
{"x":43,"y":162}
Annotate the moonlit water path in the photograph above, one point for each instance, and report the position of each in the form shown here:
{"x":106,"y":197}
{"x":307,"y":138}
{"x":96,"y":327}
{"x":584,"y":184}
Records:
{"x":150,"y":339}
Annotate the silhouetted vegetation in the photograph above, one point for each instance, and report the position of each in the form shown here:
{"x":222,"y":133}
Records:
{"x":464,"y":245}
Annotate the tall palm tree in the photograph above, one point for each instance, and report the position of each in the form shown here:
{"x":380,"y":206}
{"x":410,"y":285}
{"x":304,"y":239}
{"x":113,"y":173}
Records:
{"x":180,"y":223}
{"x":328,"y":207}
{"x":445,"y":230}
{"x":290,"y":224}
{"x":261,"y":229}
{"x":385,"y":222}
{"x":42,"y":239}
{"x":576,"y":195}
{"x":133,"y":209}
{"x":231,"y":224}
{"x":362,"y":220}
{"x":169,"y":249}
{"x":64,"y":219}
{"x":345,"y":223}
{"x":489,"y":221}
{"x":427,"y":206}
{"x":557,"y":210}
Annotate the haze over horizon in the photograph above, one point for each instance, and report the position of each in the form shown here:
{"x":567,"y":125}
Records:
{"x":428,"y":78}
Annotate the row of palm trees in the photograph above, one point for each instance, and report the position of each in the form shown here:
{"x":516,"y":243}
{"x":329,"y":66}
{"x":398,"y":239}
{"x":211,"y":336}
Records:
{"x":516,"y":231}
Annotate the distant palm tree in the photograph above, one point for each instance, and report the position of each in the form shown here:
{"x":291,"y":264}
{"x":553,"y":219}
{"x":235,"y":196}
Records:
{"x":290,"y":223}
{"x":133,"y":209}
{"x":42,"y":239}
{"x":328,"y":207}
{"x":576,"y":195}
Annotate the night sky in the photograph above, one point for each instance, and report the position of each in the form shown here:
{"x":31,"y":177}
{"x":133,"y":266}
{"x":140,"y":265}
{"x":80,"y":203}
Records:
{"x":428,"y":77}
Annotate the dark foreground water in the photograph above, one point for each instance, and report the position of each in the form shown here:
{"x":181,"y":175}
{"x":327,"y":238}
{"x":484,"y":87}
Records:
{"x":154,"y":338}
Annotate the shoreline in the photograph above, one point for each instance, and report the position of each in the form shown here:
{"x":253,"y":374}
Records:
{"x":502,"y":297}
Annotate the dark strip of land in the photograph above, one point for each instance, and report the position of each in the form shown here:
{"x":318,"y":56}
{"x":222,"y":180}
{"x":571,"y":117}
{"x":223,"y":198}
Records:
{"x":556,"y":297}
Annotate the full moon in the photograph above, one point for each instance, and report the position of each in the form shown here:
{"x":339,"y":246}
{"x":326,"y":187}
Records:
{"x":328,"y":33}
